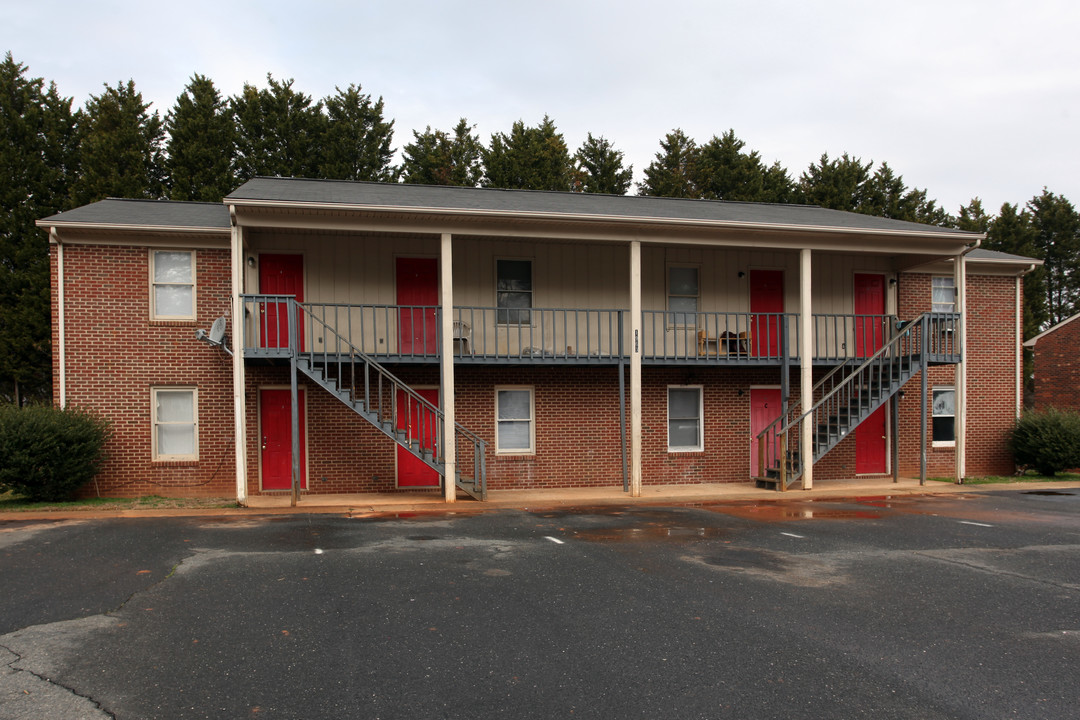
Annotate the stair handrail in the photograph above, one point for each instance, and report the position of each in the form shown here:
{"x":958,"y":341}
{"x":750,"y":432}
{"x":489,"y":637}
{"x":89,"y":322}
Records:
{"x":902,"y":334}
{"x":794,"y":407}
{"x":479,"y":444}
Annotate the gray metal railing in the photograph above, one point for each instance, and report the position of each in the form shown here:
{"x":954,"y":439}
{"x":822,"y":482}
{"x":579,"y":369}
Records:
{"x":711,"y":336}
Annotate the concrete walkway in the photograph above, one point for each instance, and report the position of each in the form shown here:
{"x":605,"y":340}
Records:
{"x":359,"y":505}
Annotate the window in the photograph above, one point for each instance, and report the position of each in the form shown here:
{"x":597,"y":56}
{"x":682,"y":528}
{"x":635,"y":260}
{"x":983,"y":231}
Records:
{"x":175,"y":423}
{"x":514,"y":421}
{"x":683,"y":293}
{"x":685,"y":426}
{"x":944,"y":416}
{"x":513,"y":291}
{"x":943,"y":297}
{"x":173,"y":279}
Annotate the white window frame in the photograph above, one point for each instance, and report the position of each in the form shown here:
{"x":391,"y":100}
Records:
{"x":671,"y":314}
{"x":531,"y":291}
{"x":531,"y":450}
{"x":156,"y":455}
{"x":700,"y":446}
{"x":933,"y":414}
{"x":154,"y":315}
{"x":935,"y":283}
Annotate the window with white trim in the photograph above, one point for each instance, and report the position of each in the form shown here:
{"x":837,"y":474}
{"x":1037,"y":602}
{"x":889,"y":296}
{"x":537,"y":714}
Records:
{"x":686,"y":426}
{"x":172,"y":280}
{"x":513,"y":291}
{"x":684,"y":291}
{"x":514,"y":421}
{"x":944,"y":416}
{"x":943,"y":293}
{"x":175,"y":423}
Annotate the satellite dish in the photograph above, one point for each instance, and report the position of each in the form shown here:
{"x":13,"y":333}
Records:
{"x":217,"y":331}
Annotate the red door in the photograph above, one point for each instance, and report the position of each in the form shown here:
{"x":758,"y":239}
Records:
{"x":280,"y":275}
{"x":421,"y":426}
{"x":765,"y":406}
{"x":417,"y":285}
{"x":870,"y":443}
{"x":766,"y":296}
{"x":869,"y":301}
{"x":275,"y":423}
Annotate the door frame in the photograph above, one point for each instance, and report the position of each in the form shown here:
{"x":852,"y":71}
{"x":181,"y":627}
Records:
{"x":398,"y":449}
{"x":438,"y":282}
{"x":884,"y":299}
{"x":301,"y":391}
{"x":887,"y":410}
{"x":258,"y":281}
{"x":750,"y":417}
{"x":750,"y":302}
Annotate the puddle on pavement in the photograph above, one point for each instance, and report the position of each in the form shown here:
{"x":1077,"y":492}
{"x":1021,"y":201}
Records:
{"x":783,"y":511}
{"x":1046,"y":492}
{"x":649,"y":532}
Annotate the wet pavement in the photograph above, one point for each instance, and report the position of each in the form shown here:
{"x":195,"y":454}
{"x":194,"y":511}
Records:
{"x":965,"y":605}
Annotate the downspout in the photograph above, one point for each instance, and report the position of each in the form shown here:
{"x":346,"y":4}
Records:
{"x":61,"y":342}
{"x":1020,"y":338}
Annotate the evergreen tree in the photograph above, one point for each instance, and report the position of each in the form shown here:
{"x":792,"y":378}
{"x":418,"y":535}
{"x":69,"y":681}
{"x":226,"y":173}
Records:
{"x":201,"y":145}
{"x":599,"y":168}
{"x":279,"y":131}
{"x":436,"y":158}
{"x":120,"y":147}
{"x":356,"y":145}
{"x":973,"y":217}
{"x":722,"y":170}
{"x":671,"y":173}
{"x":1057,"y":240}
{"x":37,"y":158}
{"x":886,"y":195}
{"x":778,"y":186}
{"x":529,"y":158}
{"x":836,"y":184}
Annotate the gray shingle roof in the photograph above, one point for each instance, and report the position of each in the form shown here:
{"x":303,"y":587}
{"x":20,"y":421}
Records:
{"x":996,"y":256}
{"x":162,"y":214}
{"x":629,"y":207}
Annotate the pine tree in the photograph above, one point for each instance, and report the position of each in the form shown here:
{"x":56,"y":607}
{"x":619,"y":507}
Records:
{"x":357,"y":138}
{"x":201,"y":146}
{"x":436,"y":158}
{"x":671,"y":173}
{"x":1057,"y":239}
{"x":724,"y":172}
{"x":836,"y":184}
{"x":279,"y":131}
{"x":973,"y":218}
{"x":120,"y":147}
{"x":599,"y":168}
{"x":529,"y":158}
{"x":37,"y":159}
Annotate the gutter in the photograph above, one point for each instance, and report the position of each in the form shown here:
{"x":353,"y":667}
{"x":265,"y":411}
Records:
{"x":54,"y":236}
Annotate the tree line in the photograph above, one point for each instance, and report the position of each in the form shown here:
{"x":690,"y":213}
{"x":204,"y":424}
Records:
{"x":54,"y":157}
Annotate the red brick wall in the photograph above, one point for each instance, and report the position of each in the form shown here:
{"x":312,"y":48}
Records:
{"x":1057,"y":368}
{"x":991,"y":387}
{"x":115,"y":355}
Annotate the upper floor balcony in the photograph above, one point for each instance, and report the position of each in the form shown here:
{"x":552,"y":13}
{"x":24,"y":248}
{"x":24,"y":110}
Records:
{"x":574,"y":336}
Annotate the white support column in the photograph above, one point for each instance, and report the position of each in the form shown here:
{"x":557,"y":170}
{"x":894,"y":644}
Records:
{"x":239,"y":406}
{"x":806,"y":367}
{"x":446,"y":367}
{"x":635,"y":368}
{"x":960,"y":270}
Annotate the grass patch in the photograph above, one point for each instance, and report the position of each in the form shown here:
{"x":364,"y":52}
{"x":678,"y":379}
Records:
{"x":10,"y":502}
{"x":1029,"y":477}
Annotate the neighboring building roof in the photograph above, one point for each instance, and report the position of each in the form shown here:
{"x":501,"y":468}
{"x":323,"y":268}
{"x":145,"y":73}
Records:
{"x":145,"y":214}
{"x":566,"y":205}
{"x":1063,"y":323}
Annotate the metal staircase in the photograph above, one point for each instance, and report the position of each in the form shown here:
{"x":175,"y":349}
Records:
{"x":851,"y":393}
{"x":394,"y":408}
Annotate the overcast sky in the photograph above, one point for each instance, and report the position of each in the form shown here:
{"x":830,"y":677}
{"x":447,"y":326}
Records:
{"x":962,"y":98}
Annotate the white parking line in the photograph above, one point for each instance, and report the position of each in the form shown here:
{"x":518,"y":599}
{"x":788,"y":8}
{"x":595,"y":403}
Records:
{"x":554,"y":540}
{"x":968,"y":522}
{"x":793,"y":535}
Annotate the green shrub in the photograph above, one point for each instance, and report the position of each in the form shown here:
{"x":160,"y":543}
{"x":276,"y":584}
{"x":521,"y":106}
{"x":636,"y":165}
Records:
{"x":47,"y":453}
{"x":1048,"y":441}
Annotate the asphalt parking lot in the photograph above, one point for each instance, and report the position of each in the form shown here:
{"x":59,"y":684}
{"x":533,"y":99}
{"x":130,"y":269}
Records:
{"x":960,"y":606}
